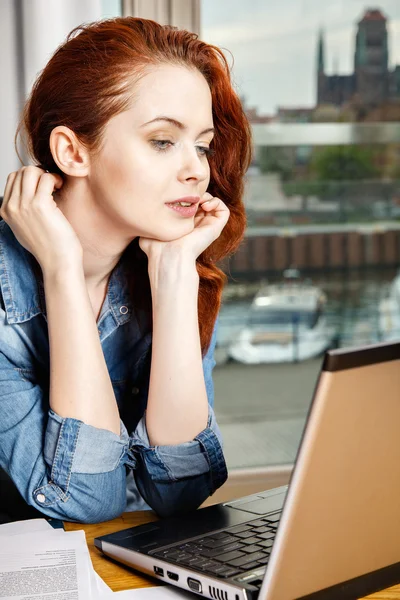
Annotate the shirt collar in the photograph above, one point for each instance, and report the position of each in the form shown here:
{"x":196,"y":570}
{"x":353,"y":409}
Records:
{"x":22,"y":286}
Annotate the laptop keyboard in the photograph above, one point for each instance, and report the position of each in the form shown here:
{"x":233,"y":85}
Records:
{"x":227,"y":553}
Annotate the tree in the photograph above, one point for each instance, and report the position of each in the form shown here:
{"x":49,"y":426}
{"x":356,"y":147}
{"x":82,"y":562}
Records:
{"x":275,"y":160}
{"x":340,"y":163}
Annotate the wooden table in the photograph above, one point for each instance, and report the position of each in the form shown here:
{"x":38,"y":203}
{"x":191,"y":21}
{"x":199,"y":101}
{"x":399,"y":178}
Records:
{"x":119,"y":577}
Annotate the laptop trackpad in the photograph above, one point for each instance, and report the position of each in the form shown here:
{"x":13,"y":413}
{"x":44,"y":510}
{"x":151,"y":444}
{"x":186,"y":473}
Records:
{"x":261,"y":506}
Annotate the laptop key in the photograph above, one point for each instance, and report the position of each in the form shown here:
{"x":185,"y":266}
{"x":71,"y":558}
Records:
{"x":267,"y":536}
{"x":169,"y":554}
{"x":218,"y":536}
{"x":252,"y":548}
{"x":273,"y":518}
{"x":263,"y":529}
{"x":181,"y":558}
{"x":210,"y":564}
{"x":257,"y":523}
{"x":217,"y":551}
{"x":256,"y":556}
{"x":218,"y":569}
{"x":250,"y":559}
{"x":245,"y":561}
{"x":251,"y":540}
{"x":195,"y":548}
{"x":244,"y":534}
{"x":210,"y":543}
{"x":228,"y":556}
{"x":189,"y":561}
{"x":200,"y":562}
{"x":266,"y":543}
{"x":254,"y":565}
{"x":238,"y":528}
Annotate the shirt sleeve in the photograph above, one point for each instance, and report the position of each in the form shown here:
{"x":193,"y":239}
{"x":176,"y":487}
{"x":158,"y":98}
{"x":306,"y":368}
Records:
{"x":177,"y":478}
{"x":62,"y":467}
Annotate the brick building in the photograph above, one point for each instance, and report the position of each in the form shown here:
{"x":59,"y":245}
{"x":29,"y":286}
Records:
{"x":372,"y":83}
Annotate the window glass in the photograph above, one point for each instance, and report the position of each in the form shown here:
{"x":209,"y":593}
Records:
{"x":318,"y":267}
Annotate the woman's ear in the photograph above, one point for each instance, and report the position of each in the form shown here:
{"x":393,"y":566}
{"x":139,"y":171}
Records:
{"x":68,"y":152}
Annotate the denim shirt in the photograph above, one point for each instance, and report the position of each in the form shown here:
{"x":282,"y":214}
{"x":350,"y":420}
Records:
{"x":64,"y":467}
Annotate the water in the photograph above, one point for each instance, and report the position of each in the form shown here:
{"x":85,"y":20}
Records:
{"x":262,"y":408}
{"x":351,"y":309}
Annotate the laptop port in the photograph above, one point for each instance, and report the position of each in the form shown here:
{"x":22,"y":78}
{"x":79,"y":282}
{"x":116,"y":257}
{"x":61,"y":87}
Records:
{"x":159,"y":571}
{"x":194,"y":585}
{"x":173,"y":576}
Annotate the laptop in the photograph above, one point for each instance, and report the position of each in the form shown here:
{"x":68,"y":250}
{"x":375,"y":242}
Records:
{"x":333,"y":532}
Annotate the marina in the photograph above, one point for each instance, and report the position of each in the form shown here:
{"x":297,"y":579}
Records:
{"x":265,"y":405}
{"x":285,"y":323}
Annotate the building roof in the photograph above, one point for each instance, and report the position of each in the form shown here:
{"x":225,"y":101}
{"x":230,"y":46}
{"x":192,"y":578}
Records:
{"x":373,"y":14}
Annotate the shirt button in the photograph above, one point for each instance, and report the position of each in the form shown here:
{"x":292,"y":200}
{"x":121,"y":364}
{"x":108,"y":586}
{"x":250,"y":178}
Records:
{"x":135,"y":390}
{"x":41,"y":498}
{"x":123,"y":310}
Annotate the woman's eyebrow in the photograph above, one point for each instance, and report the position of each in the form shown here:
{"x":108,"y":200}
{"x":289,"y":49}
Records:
{"x":177,"y":124}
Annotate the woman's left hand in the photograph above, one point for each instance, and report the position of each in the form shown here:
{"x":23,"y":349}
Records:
{"x":210,"y":219}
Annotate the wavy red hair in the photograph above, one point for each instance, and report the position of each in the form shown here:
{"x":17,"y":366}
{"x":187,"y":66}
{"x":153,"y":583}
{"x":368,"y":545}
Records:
{"x":88,"y":80}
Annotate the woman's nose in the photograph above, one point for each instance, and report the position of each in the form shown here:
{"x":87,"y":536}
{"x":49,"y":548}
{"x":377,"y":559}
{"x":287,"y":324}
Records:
{"x":194,"y":166}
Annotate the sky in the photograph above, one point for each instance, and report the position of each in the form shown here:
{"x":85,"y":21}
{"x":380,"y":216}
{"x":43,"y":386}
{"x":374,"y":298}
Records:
{"x":274,"y":44}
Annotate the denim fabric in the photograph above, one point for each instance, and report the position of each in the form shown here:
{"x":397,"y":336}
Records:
{"x":64,"y":467}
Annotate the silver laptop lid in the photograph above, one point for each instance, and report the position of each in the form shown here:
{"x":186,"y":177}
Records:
{"x":341,"y":518}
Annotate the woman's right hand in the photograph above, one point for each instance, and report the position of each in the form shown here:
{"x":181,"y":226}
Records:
{"x":37,"y":222}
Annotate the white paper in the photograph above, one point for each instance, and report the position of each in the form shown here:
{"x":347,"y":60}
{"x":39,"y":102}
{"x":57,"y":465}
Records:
{"x":50,"y":562}
{"x":22,"y":527}
{"x":41,"y":560}
{"x":102,"y":589}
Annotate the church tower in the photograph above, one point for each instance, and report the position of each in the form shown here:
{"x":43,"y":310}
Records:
{"x":371,"y":58}
{"x":321,"y":77}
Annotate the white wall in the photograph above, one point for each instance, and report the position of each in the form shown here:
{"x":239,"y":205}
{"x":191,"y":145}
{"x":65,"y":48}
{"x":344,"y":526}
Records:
{"x":9,"y":93}
{"x":30,"y":31}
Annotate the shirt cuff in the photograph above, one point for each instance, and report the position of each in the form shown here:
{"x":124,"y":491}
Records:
{"x":182,"y":461}
{"x":72,"y":446}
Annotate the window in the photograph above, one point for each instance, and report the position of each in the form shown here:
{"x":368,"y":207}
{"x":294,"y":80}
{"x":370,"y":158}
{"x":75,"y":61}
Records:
{"x":320,"y":87}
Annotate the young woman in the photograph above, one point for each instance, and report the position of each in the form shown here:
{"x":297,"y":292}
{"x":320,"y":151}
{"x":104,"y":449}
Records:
{"x":109,"y":288}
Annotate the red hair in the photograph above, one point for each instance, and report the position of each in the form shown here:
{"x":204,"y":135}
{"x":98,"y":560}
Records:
{"x":88,"y":81}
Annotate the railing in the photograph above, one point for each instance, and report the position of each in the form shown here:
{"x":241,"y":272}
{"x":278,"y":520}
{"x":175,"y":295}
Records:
{"x":325,"y":134}
{"x":270,"y":201}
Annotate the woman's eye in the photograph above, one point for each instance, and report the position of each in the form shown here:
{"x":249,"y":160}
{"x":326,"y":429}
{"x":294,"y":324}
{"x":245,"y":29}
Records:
{"x":161,"y":145}
{"x":164,"y":145}
{"x":205,"y":151}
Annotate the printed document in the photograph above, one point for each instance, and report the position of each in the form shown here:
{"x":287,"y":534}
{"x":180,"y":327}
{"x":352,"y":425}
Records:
{"x":38,"y":562}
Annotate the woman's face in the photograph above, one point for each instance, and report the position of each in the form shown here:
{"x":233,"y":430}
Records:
{"x":156,"y":153}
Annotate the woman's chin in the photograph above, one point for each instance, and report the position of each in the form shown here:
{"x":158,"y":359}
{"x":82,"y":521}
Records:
{"x":175,"y":233}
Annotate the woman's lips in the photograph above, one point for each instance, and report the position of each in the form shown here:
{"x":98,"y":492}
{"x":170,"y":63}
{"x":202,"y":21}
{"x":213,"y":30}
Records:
{"x":185,"y":211}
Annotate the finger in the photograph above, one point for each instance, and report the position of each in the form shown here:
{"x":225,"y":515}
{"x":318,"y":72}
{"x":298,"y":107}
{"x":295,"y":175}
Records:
{"x":15,"y":195}
{"x":206,"y":207}
{"x":206,"y":197}
{"x":48,"y":182}
{"x":9,"y":186}
{"x":30,"y":179}
{"x":215,"y":205}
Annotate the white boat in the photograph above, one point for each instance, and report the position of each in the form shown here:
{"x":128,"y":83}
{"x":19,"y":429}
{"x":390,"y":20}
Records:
{"x":389,"y":312}
{"x":286,"y":323}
